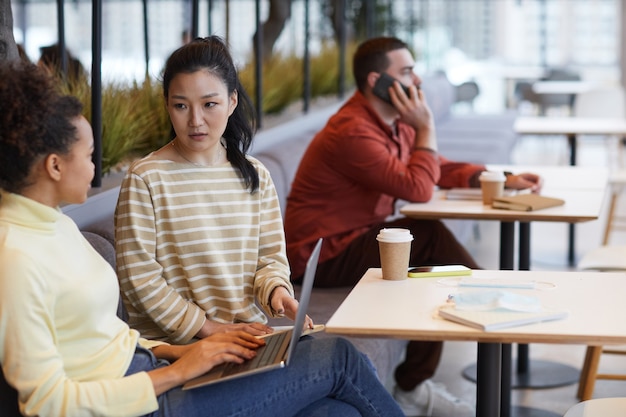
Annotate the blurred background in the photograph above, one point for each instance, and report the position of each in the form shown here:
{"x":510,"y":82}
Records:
{"x":489,"y":41}
{"x":492,"y":50}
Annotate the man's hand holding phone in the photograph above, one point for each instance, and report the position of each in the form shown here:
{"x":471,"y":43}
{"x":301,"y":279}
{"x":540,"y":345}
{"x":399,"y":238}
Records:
{"x":413,"y":110}
{"x":411,"y":107}
{"x":382,"y":86}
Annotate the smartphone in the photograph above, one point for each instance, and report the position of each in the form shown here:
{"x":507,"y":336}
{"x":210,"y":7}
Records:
{"x":381,"y":88}
{"x":438,"y":271}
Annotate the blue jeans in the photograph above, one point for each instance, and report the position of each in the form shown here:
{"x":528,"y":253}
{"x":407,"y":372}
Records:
{"x":327,"y":377}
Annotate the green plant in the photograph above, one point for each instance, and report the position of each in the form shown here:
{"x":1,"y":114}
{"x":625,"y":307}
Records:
{"x":135,"y":120}
{"x":150,"y":98}
{"x":132,"y":121}
{"x":282,"y":83}
{"x":283,"y":78}
{"x":325,"y":70}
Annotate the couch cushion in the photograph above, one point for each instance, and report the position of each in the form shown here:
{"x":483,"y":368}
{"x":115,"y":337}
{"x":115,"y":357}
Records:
{"x":440,"y":95}
{"x":478,"y":146}
{"x":282,"y":161}
{"x":102,"y":245}
{"x":281,"y":148}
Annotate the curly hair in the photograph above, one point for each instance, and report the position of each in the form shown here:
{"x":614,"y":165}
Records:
{"x":212,"y":54}
{"x":35,"y":121}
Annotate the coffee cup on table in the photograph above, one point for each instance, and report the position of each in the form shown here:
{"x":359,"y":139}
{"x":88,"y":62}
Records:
{"x":492,"y":185}
{"x":394,"y":245}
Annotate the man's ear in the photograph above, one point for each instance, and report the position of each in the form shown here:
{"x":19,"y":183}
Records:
{"x":372,"y":77}
{"x":52,"y":166}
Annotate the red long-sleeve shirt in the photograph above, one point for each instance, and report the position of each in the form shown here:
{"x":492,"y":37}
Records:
{"x":350,"y":176}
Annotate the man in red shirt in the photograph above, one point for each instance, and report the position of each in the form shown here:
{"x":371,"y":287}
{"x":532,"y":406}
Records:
{"x":370,"y":154}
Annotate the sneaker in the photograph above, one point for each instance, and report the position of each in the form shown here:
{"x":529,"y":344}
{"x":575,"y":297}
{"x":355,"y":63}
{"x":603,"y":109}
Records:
{"x":429,"y":399}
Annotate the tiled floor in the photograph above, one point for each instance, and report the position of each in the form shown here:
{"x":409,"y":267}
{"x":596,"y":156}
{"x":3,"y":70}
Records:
{"x":548,"y":246}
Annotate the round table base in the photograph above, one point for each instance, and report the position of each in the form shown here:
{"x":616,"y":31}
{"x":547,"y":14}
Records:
{"x":541,"y":374}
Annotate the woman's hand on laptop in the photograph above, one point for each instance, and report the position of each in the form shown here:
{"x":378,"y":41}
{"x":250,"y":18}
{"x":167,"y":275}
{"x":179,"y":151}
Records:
{"x":195,"y":359}
{"x":212,"y":327}
{"x":283,"y":304}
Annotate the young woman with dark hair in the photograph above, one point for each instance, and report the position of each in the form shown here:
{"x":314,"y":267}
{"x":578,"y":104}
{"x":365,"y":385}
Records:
{"x":62,"y":346}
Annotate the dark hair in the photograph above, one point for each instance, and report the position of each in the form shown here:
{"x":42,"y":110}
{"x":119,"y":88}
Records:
{"x":371,"y":56}
{"x":51,"y":58}
{"x":35,"y":121}
{"x":212,"y":54}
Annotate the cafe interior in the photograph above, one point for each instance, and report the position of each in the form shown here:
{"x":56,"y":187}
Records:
{"x":531,"y":86}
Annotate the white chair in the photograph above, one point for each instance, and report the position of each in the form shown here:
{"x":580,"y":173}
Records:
{"x":605,"y":102}
{"x":602,"y":103}
{"x":604,"y":258}
{"x":615,"y":221}
{"x":601,"y":407}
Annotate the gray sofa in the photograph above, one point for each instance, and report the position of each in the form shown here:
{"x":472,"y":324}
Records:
{"x":475,"y":138}
{"x":485,"y":139}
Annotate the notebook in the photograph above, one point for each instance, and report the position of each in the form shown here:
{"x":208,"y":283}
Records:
{"x":477,"y":193}
{"x":500,"y":318}
{"x":526,"y":202}
{"x":279,"y":346}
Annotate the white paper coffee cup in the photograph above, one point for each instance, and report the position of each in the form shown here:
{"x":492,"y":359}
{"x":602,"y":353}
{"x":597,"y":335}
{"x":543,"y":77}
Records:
{"x":492,"y":185}
{"x":394,"y":245}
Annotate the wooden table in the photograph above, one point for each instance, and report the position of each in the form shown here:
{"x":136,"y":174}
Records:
{"x":583,"y":189}
{"x":563,"y":87}
{"x":582,"y":204}
{"x":570,"y":127}
{"x":408,"y":310}
{"x":512,"y":74}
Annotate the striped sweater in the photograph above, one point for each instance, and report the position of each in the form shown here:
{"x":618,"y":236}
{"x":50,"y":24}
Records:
{"x":193,"y":242}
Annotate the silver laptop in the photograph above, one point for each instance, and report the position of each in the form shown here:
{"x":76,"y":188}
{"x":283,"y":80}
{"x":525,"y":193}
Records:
{"x":279,"y":346}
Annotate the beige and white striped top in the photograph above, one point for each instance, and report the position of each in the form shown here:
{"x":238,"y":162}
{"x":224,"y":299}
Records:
{"x":193,"y":241}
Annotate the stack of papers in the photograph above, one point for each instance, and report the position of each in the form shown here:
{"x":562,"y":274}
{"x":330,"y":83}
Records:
{"x":476,"y":193}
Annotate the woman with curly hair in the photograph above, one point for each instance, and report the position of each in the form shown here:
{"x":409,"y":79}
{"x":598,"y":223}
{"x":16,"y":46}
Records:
{"x":62,"y":346}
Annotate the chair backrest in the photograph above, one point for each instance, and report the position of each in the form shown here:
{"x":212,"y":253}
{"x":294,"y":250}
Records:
{"x":604,"y":258}
{"x":467,"y":91}
{"x":554,"y":100}
{"x":601,"y":102}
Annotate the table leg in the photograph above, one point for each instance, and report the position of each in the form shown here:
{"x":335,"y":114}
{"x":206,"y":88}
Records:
{"x":488,"y":381}
{"x":524,"y":246}
{"x":509,"y":379}
{"x":571,"y":139}
{"x":537,"y":374}
{"x":544,"y":374}
{"x":524,"y":265}
{"x":507,"y":246}
{"x":571,"y":251}
{"x":505,"y":385}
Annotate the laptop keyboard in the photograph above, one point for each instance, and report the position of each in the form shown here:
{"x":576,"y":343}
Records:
{"x":265,"y":355}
